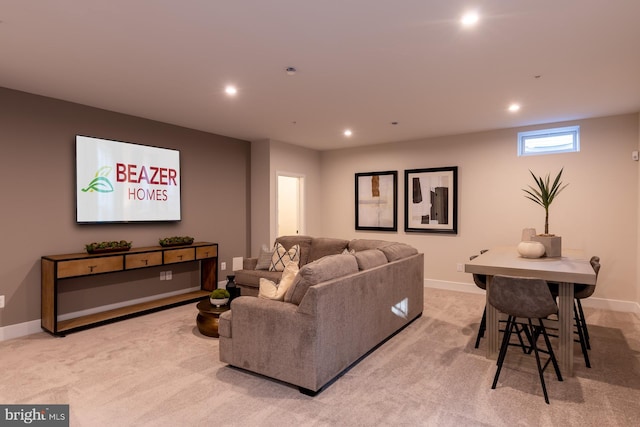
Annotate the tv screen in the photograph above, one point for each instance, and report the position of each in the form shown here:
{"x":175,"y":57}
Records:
{"x":124,"y":182}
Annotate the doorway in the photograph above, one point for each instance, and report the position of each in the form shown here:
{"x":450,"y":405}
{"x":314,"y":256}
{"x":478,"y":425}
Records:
{"x":290,"y":198}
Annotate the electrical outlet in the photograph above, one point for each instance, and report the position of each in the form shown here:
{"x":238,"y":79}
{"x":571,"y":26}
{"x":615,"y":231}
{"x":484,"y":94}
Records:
{"x":460,"y":267}
{"x":169,"y":275}
{"x":1,"y":301}
{"x":163,"y":275}
{"x":223,"y":266}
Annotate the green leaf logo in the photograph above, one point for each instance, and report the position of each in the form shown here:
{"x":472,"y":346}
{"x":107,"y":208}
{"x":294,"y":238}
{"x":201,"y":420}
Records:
{"x":100,"y":183}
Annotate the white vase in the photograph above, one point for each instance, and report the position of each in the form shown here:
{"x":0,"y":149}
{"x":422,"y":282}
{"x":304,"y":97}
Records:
{"x":530,"y":249}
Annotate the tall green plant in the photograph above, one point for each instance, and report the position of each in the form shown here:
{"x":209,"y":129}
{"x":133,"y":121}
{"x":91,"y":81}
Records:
{"x":545,"y":194}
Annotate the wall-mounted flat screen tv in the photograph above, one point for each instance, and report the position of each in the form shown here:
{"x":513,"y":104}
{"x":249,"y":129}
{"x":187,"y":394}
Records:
{"x":125,"y":182}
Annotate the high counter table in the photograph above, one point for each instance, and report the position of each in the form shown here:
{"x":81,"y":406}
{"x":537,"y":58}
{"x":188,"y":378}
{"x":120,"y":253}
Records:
{"x":572,"y":267}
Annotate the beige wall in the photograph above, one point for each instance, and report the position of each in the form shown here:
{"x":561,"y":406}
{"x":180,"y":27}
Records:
{"x":38,"y":205}
{"x":598,"y":211}
{"x":294,"y":160}
{"x":260,"y":196}
{"x":270,"y":157}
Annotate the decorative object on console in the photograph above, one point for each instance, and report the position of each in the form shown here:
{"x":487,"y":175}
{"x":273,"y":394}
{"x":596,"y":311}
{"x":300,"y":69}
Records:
{"x":219,"y":297}
{"x":176,"y":241}
{"x":104,"y":247}
{"x":544,"y":194}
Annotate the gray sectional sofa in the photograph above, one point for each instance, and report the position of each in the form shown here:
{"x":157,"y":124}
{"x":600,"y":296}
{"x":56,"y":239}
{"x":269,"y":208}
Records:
{"x":339,"y":308}
{"x":311,"y":249}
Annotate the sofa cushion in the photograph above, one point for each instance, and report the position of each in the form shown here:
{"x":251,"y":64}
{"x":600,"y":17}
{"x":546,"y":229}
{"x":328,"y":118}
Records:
{"x":364,"y":244}
{"x":264,"y":259}
{"x":303,"y":241}
{"x":370,"y":258}
{"x":282,"y":257}
{"x":252,"y":277}
{"x":323,"y":246}
{"x":396,"y":251}
{"x":321,"y":270}
{"x":271,"y":290}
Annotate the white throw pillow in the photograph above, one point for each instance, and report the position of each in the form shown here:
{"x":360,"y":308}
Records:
{"x":281,"y":257}
{"x":270,"y":290}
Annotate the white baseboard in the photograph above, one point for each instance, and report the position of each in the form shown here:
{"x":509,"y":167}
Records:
{"x":453,"y":286}
{"x":20,"y":330}
{"x":593,"y":302}
{"x":33,"y":326}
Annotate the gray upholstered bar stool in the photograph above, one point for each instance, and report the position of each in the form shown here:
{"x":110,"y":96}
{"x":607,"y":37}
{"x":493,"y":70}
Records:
{"x":481,"y":282}
{"x":524,"y":297}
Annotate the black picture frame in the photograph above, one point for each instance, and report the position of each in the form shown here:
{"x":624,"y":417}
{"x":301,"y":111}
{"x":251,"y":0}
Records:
{"x":377,"y":201}
{"x":431,"y":200}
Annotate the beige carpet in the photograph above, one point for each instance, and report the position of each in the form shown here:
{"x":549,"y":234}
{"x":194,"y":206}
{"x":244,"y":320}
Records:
{"x":158,"y":370}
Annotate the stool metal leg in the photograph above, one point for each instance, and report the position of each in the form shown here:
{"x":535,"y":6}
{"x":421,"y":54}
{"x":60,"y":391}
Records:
{"x":540,"y":371}
{"x":552,"y":355}
{"x":482,"y":327}
{"x":581,"y":337}
{"x":503,"y":348}
{"x":583,"y":322}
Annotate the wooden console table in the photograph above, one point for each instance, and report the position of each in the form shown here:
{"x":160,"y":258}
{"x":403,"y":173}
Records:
{"x":59,"y":267}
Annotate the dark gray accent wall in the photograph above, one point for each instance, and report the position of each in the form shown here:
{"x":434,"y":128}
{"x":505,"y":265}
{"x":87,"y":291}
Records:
{"x":37,"y":139}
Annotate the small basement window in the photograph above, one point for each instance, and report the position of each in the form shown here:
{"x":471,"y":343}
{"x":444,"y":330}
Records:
{"x":549,"y":141}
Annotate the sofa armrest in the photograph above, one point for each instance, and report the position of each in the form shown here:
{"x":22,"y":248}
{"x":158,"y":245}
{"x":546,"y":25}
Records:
{"x":249,"y":263}
{"x":272,"y":338}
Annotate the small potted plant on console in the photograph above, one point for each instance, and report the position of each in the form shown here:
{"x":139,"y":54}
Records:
{"x":176,"y":241}
{"x":219,"y":297}
{"x":104,"y":247}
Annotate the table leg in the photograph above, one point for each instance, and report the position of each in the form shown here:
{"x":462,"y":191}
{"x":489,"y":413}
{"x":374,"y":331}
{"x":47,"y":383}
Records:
{"x":493,"y":327}
{"x":565,"y":326}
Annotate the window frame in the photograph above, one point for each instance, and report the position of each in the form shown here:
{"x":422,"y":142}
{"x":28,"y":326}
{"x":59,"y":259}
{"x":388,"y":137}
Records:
{"x":523,"y":137}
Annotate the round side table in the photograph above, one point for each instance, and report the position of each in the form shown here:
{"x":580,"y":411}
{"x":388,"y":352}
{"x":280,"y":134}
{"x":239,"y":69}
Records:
{"x":208,"y":316}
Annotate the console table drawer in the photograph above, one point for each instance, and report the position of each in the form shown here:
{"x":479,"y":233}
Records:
{"x":179,"y":255}
{"x":147,"y":259}
{"x":206,"y":252}
{"x":83,"y":267}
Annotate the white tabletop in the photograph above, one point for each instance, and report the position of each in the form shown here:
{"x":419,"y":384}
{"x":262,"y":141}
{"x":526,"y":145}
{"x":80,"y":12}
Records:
{"x":572,"y":267}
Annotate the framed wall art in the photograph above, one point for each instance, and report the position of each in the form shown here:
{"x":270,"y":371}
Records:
{"x":431,"y":200}
{"x":377,"y":201}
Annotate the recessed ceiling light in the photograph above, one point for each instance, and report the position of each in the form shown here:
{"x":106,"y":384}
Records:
{"x":348,"y":132}
{"x":469,"y":19}
{"x":230,"y":90}
{"x":291,"y":71}
{"x":514,"y":107}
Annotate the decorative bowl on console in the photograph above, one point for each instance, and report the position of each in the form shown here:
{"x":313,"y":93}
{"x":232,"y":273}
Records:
{"x":106,"y":247}
{"x":176,"y":241}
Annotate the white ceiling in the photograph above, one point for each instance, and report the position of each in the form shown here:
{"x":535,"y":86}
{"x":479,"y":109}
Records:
{"x":362,"y":64}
